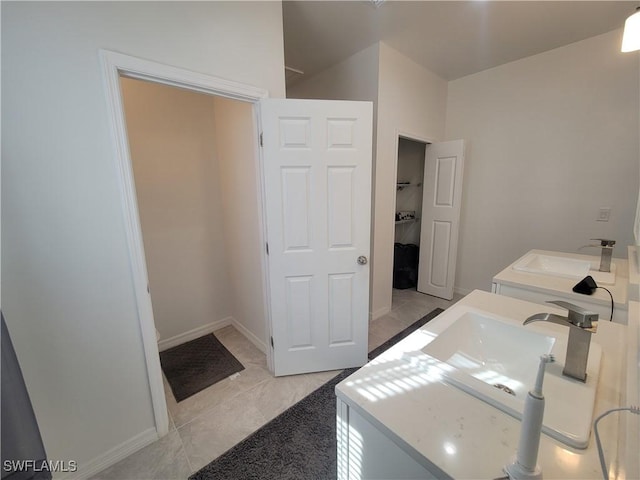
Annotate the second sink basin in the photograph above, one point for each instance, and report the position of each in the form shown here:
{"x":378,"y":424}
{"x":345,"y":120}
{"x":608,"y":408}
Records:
{"x":564,"y":267}
{"x":496,"y":360}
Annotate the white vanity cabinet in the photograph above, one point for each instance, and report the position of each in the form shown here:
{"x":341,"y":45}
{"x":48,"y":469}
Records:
{"x":540,"y":288}
{"x":397,"y":418}
{"x":366,"y":450}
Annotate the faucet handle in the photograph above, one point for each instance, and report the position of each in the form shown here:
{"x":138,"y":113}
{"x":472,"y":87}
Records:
{"x":580,"y":317}
{"x":605,"y":242}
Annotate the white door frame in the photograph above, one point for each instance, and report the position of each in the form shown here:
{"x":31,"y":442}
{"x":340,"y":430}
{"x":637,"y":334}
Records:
{"x":115,"y":65}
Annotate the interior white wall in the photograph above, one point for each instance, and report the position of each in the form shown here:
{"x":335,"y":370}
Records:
{"x":241,"y":203}
{"x":172,"y":141}
{"x":550,"y":139}
{"x":355,"y":78}
{"x":67,"y":285}
{"x":411,"y":102}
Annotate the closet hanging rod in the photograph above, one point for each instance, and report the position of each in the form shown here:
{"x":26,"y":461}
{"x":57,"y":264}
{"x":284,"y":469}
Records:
{"x":294,"y":70}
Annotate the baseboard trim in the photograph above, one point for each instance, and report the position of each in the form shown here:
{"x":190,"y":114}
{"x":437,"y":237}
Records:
{"x":193,"y":334}
{"x":462,"y":291}
{"x":261,"y":345}
{"x":112,"y":456}
{"x":381,"y":312}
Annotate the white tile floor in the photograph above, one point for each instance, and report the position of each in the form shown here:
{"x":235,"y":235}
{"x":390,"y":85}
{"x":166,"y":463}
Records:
{"x":210,"y":422}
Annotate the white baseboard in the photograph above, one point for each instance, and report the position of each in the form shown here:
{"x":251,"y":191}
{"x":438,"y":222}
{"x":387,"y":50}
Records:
{"x":462,"y":291}
{"x":193,"y":334}
{"x":260,"y":344}
{"x":122,"y":451}
{"x":381,"y":312}
{"x":111,"y":457}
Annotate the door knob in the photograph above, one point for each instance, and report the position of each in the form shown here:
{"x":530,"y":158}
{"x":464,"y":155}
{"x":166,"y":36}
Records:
{"x":362,"y":260}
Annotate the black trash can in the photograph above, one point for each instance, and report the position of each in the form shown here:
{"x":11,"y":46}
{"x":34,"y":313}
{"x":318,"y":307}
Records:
{"x":405,"y":265}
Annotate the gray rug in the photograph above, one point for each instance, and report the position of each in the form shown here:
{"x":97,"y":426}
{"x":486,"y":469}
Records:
{"x":300,"y":443}
{"x":196,"y":365}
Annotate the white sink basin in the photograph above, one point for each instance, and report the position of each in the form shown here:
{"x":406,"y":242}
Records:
{"x":565,"y":267}
{"x":492,"y":351}
{"x":496,"y":360}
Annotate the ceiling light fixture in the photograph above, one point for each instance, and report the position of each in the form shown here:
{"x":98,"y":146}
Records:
{"x":631,"y":36}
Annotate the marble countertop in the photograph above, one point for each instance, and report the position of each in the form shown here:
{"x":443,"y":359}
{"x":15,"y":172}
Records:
{"x":550,"y":283}
{"x":452,"y":433}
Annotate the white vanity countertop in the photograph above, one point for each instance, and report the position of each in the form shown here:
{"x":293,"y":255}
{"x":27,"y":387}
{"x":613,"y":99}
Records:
{"x":440,"y":425}
{"x":549,"y":283}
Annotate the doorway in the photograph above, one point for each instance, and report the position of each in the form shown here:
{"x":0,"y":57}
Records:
{"x":408,"y":212}
{"x":345,"y":128}
{"x":115,"y":67}
{"x":427,"y":214}
{"x":192,"y":158}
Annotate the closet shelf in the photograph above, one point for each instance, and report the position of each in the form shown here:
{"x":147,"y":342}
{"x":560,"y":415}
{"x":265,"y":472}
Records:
{"x":403,"y":185}
{"x":407,"y":220}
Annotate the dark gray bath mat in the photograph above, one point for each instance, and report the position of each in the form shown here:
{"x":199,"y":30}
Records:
{"x":196,"y":365}
{"x":300,"y":443}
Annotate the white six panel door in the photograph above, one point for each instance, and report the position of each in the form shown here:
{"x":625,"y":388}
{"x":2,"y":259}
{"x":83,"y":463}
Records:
{"x":317,"y":175}
{"x":441,"y":201}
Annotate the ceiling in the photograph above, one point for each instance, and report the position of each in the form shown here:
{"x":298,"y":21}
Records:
{"x":451,"y":38}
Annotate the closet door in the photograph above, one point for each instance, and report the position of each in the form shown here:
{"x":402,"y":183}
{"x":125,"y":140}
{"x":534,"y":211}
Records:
{"x":442,"y":196}
{"x":317,"y":183}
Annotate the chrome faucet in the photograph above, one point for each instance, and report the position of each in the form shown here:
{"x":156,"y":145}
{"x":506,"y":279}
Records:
{"x":582,"y":323}
{"x":607,"y":250}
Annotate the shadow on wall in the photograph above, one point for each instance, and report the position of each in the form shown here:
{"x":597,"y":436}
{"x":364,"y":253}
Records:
{"x":23,"y":454}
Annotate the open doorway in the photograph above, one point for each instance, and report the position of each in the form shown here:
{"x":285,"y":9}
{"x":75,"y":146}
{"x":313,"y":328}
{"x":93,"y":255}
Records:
{"x":408,"y":212}
{"x":193,"y":162}
{"x":347,"y":127}
{"x":117,"y":66}
{"x":427,"y":218}
{"x":192,"y":159}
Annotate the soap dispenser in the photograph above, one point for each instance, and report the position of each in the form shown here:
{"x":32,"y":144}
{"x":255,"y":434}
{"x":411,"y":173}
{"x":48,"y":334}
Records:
{"x":525,"y":465}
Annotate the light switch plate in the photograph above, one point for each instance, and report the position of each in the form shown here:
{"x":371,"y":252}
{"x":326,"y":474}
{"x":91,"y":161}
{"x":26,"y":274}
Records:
{"x":603,"y":214}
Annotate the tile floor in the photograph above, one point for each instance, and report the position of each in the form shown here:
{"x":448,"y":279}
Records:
{"x":210,"y":422}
